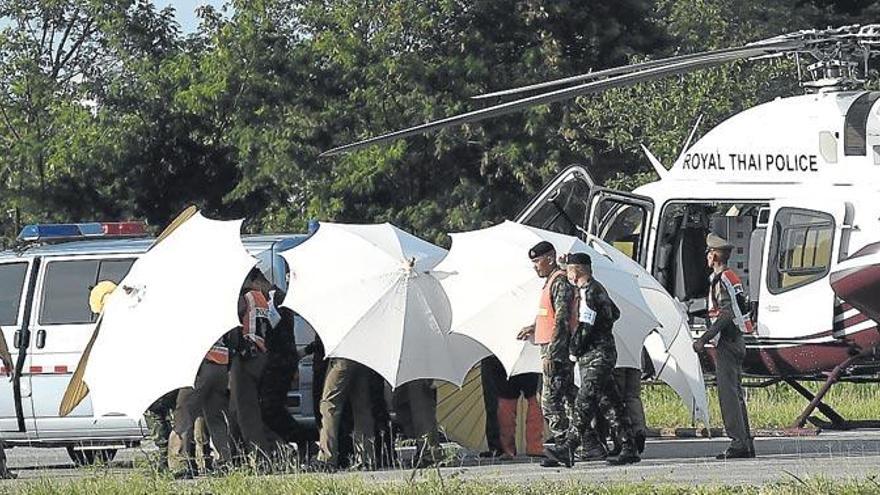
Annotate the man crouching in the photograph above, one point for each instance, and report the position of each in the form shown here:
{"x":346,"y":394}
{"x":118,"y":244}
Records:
{"x":592,"y":347}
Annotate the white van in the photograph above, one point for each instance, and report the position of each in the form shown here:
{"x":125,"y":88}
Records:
{"x":46,"y":320}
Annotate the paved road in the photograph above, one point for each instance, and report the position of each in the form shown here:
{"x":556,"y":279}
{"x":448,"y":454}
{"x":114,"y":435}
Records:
{"x":838,"y":455}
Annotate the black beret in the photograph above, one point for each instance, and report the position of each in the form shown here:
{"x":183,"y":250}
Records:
{"x":579,"y":259}
{"x":540,"y":249}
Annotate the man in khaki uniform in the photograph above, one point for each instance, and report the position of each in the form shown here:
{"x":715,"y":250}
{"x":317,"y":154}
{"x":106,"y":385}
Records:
{"x":415,"y":403}
{"x":728,"y":314}
{"x":347,"y":381}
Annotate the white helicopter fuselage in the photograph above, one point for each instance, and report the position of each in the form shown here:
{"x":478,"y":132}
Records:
{"x":791,"y":183}
{"x":810,"y":166}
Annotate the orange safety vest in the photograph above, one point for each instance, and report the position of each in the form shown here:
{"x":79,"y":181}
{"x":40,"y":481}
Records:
{"x":257,"y":307}
{"x":545,"y":322}
{"x":219,"y":354}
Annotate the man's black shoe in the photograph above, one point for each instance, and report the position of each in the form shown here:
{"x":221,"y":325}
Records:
{"x":561,"y":454}
{"x":549,"y":463}
{"x":735,"y":454}
{"x":627,"y":456}
{"x":490,"y":453}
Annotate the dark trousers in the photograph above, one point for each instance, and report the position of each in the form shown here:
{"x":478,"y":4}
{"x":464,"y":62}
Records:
{"x":244,"y":401}
{"x":274,"y":385}
{"x":728,"y":376}
{"x":629,"y":384}
{"x":491,"y":374}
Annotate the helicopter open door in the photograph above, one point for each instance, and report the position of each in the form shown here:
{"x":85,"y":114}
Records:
{"x":804,"y":239}
{"x":563,"y":205}
{"x":622,"y":220}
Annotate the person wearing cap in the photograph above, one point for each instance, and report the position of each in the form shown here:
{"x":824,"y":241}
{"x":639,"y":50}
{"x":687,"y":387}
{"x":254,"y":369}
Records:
{"x":592,"y":346}
{"x":552,"y":328}
{"x":729,"y":319}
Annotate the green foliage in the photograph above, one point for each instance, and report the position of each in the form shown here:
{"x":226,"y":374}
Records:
{"x":107,"y":111}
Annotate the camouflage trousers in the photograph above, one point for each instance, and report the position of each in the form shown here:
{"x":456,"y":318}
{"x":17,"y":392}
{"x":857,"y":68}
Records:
{"x":158,"y":418}
{"x":598,"y":393}
{"x":558,"y":397}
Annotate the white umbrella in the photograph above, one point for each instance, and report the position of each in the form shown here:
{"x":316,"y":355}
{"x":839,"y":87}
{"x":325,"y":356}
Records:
{"x":177,"y":300}
{"x":684,"y":379}
{"x":369,"y":292}
{"x":495,"y":292}
{"x":671,"y":348}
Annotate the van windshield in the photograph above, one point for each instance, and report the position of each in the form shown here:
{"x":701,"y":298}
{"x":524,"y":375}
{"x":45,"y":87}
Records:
{"x":11,"y":287}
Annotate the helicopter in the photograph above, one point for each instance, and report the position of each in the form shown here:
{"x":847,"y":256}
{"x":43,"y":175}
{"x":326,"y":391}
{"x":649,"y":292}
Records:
{"x":791,"y":183}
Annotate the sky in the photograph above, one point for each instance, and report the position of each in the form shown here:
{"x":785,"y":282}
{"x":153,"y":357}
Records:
{"x":186,"y":11}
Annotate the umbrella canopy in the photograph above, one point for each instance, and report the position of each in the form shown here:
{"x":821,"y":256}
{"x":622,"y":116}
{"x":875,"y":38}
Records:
{"x":370,"y":294}
{"x":494,"y":293}
{"x":77,"y":390}
{"x":179,"y":298}
{"x":671,"y":347}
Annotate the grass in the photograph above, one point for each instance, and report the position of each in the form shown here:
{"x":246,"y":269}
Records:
{"x":771,"y":407}
{"x":432,"y":484}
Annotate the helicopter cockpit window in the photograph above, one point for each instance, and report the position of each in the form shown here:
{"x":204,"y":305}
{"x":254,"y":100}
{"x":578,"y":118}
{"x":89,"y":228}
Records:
{"x":564,"y":210}
{"x":800,"y":248}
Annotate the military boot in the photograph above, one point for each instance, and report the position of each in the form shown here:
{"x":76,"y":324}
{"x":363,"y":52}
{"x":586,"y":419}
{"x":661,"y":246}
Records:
{"x":629,"y":454}
{"x":561,"y":453}
{"x":593,"y":449}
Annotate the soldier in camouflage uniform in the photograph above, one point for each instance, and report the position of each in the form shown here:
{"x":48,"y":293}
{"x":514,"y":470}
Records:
{"x":158,"y":418}
{"x":592,"y":345}
{"x":551,"y":331}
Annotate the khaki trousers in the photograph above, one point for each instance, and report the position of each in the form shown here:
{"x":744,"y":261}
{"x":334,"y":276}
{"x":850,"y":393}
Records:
{"x":347,"y":382}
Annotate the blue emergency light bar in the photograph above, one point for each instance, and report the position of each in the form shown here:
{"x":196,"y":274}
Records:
{"x":70,"y":231}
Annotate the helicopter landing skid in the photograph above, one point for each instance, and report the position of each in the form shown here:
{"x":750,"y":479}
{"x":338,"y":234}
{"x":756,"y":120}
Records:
{"x":836,"y":421}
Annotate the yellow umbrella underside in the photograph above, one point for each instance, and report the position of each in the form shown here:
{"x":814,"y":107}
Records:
{"x":461,"y":414}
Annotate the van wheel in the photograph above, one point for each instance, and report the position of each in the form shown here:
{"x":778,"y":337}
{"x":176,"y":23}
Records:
{"x":82,"y":457}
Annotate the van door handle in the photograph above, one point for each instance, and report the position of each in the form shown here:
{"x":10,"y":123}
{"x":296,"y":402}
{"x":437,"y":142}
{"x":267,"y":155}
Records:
{"x":41,"y":338}
{"x":19,"y":340}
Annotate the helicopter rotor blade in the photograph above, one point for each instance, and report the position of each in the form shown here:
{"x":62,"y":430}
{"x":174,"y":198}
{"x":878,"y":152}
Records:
{"x":628,"y":69}
{"x":622,"y":80}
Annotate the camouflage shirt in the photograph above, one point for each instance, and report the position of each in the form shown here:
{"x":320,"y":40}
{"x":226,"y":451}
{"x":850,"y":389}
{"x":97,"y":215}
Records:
{"x":562,"y":295}
{"x":590,"y":335}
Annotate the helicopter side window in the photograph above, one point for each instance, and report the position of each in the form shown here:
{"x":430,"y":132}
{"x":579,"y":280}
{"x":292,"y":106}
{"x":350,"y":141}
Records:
{"x":622,"y":225}
{"x":800,"y":248}
{"x":564,"y":210}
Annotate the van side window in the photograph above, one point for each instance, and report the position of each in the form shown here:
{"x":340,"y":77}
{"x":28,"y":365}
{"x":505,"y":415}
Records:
{"x":66,"y":292}
{"x":67,"y":286}
{"x":114,"y":270}
{"x":800,"y":248}
{"x":11,"y":287}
